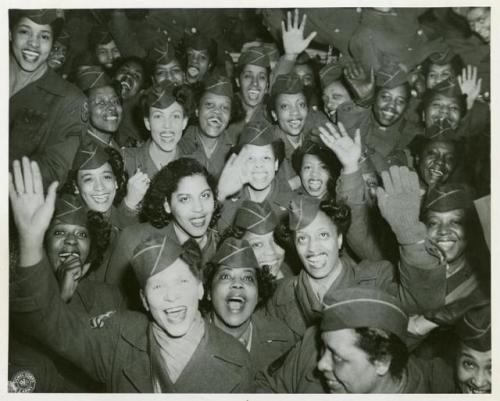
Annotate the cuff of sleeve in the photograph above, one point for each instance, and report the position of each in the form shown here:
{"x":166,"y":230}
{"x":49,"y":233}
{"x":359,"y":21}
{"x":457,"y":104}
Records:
{"x":408,"y":234}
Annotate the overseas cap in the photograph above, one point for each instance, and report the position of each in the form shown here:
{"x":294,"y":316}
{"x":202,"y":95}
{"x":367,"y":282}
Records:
{"x":163,"y":51}
{"x":160,"y":95}
{"x":92,"y":77}
{"x":255,"y":56}
{"x":441,"y":130}
{"x":69,"y":209}
{"x":330,"y":73}
{"x":474,"y":329}
{"x":258,"y":218}
{"x":259,"y":133}
{"x":89,"y":156}
{"x":219,"y":85}
{"x":448,"y":87}
{"x":289,"y":84}
{"x":200,"y":42}
{"x":448,"y":197}
{"x":100,"y":35}
{"x":236,"y":253}
{"x":41,"y":16}
{"x":302,"y":211}
{"x":355,"y":307}
{"x":391,"y":75}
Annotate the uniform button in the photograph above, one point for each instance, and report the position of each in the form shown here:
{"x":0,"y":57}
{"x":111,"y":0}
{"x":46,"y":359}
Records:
{"x":336,"y":30}
{"x":174,"y":22}
{"x":420,"y":32}
{"x":410,"y":49}
{"x":193,"y":29}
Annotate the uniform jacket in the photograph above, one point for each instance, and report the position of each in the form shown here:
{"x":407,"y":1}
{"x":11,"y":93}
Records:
{"x":45,"y":125}
{"x":117,"y":354}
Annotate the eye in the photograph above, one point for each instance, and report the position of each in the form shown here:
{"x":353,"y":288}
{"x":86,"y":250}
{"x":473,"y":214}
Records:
{"x":177,"y":116}
{"x":58,"y":233}
{"x":156,"y":116}
{"x":224,"y":276}
{"x":284,"y":106}
{"x":82,"y":234}
{"x":337,"y":359}
{"x":432,"y":223}
{"x":468,"y":365}
{"x":206,"y":195}
{"x":109,"y":177}
{"x":46,"y":36}
{"x":249,"y":278}
{"x":306,"y":167}
{"x":324,"y":235}
{"x":302,"y":105}
{"x":401,"y":102}
{"x":87,"y":180}
{"x":257,"y":244}
{"x":183,"y":198}
{"x":301,"y":239}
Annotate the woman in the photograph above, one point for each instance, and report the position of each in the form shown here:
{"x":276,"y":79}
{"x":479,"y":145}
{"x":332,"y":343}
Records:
{"x":166,"y":109}
{"x":44,"y":109}
{"x":236,"y":289}
{"x":180,"y":202}
{"x":164,"y":62}
{"x":171,"y":350}
{"x":334,"y":89}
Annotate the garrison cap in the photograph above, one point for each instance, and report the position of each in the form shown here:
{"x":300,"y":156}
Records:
{"x":272,"y":51}
{"x":92,"y":76}
{"x":219,"y":85}
{"x":302,"y":211}
{"x":448,"y":87}
{"x":41,"y":16}
{"x":391,"y":75}
{"x":330,"y":73}
{"x":100,"y":35}
{"x":254,"y":56}
{"x":444,"y":56}
{"x":303,"y":58}
{"x":355,"y":307}
{"x":89,"y":156}
{"x":69,"y":209}
{"x":474,"y":329}
{"x":448,"y":197}
{"x":236,"y":253}
{"x":441,"y":130}
{"x":162,"y":51}
{"x":160,"y":95}
{"x":259,"y":133}
{"x":289,"y":84}
{"x":63,"y":37}
{"x":258,"y":218}
{"x":200,"y":42}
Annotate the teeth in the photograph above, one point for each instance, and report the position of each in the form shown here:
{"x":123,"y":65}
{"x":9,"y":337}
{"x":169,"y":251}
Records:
{"x":439,"y":173}
{"x":295,"y":123}
{"x":198,"y":222}
{"x":100,"y":198}
{"x":176,"y":314}
{"x":236,"y":304}
{"x":193,"y":71}
{"x":125,"y":85}
{"x":111,"y":118}
{"x":315,"y":185}
{"x":317,"y":260}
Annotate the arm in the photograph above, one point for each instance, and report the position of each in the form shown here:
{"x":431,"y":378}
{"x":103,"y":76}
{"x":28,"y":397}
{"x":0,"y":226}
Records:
{"x":124,"y":37}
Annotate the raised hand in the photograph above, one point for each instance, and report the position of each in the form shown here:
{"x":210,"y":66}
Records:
{"x":137,"y":187}
{"x":362,"y":83}
{"x":32,"y":210}
{"x":469,"y":84}
{"x":399,"y":199}
{"x":347,"y":150}
{"x":234,"y":175}
{"x":69,"y":273}
{"x":293,"y":34}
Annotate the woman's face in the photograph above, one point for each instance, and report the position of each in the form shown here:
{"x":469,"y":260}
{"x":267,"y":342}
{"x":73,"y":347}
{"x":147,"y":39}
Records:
{"x":192,"y":205}
{"x":437,"y":162}
{"x":318,"y":246}
{"x":314,"y":176}
{"x":131,"y":78}
{"x":214,"y":113}
{"x":171,"y":72}
{"x":447,"y":230}
{"x":31,"y":44}
{"x":172,"y":297}
{"x":234,"y":294}
{"x":261,"y":166}
{"x":291,"y":113}
{"x":268,"y":253}
{"x":438,"y":73}
{"x":253,"y":82}
{"x":166,"y":126}
{"x":57,"y":56}
{"x":107,"y":54}
{"x":440,"y":108}
{"x":390,"y":105}
{"x":334,"y":95}
{"x":473,"y":371}
{"x":97,"y":187}
{"x":198,"y":64}
{"x":105,"y":109}
{"x":64,"y":240}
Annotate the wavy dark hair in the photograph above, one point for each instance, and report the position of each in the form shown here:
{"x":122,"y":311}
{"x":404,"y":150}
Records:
{"x":192,"y":255}
{"x":165,"y":183}
{"x":338,"y":212}
{"x":99,"y":229}
{"x":116,"y":162}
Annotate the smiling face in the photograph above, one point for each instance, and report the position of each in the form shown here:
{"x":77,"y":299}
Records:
{"x":214,"y":113}
{"x":291,"y":113}
{"x":438,"y":73}
{"x":318,"y":246}
{"x":442,"y":107}
{"x":166,"y":126}
{"x":305,"y":73}
{"x":131,"y":78}
{"x":198,"y":64}
{"x":63,"y":240}
{"x":479,"y":22}
{"x":268,"y":253}
{"x":473,"y":371}
{"x":105,"y":109}
{"x":171,"y":72}
{"x":314,"y":176}
{"x":261,"y":166}
{"x":57,"y":56}
{"x":172,"y":297}
{"x":447,"y":230}
{"x":253,"y":82}
{"x":345,"y":367}
{"x":437,"y":162}
{"x":234,"y":294}
{"x":107,"y":54}
{"x":31,"y":44}
{"x":97,"y":187}
{"x":192,"y":205}
{"x":334,"y":95}
{"x":390,"y":105}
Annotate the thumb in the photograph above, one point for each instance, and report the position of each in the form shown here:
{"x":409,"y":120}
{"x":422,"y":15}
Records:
{"x":357,"y":137}
{"x":51,"y":194}
{"x":309,"y":39}
{"x":381,"y":196}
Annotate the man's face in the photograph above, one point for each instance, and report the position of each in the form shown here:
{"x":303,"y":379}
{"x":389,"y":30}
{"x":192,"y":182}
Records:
{"x":345,"y":367}
{"x":440,"y":108}
{"x":131,"y":78}
{"x":334,"y":95}
{"x":479,"y":22}
{"x":253,"y":82}
{"x":105,"y":109}
{"x":437,"y":162}
{"x":473,"y":371}
{"x":107,"y":54}
{"x":438,"y":73}
{"x":57,"y":56}
{"x":171,"y":72}
{"x":198,"y":64}
{"x":390,"y":105}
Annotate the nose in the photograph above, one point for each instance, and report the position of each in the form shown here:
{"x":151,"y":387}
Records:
{"x":443,"y":229}
{"x":171,"y":294}
{"x":325,"y":364}
{"x":197,"y":205}
{"x":98,"y":184}
{"x":313,"y":245}
{"x":70,"y":238}
{"x":236,"y":283}
{"x":34,"y":41}
{"x":480,"y":379}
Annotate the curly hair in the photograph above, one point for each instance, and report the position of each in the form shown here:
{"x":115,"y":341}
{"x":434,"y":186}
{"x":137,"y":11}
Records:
{"x":165,"y":183}
{"x":431,"y":94}
{"x":338,"y":212}
{"x":115,"y":160}
{"x":100,"y":235}
{"x":191,"y":254}
{"x":381,"y":345}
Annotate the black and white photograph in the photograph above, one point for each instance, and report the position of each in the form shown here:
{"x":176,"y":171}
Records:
{"x":219,"y":200}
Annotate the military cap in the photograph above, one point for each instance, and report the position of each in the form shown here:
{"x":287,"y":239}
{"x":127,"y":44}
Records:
{"x":391,"y":75}
{"x":92,"y":76}
{"x":448,"y":87}
{"x":287,"y":84}
{"x":303,"y":58}
{"x":69,"y":209}
{"x":89,"y":156}
{"x":100,"y":35}
{"x":302,"y":211}
{"x":442,"y":57}
{"x":330,"y":73}
{"x":272,"y":51}
{"x":258,"y":218}
{"x":441,"y":130}
{"x":160,"y":95}
{"x":200,"y":42}
{"x":63,"y":37}
{"x":236,"y":253}
{"x":448,"y":197}
{"x":219,"y":85}
{"x":154,"y":255}
{"x":474,"y":329}
{"x":254,"y":56}
{"x":259,"y":133}
{"x":162,"y":51}
{"x":41,"y":16}
{"x":355,"y":307}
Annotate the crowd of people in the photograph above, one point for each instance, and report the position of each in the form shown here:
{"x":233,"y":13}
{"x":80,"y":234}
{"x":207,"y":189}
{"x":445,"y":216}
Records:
{"x":250,"y":200}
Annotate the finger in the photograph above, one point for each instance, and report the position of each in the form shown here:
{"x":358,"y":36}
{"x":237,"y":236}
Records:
{"x":404,"y":174}
{"x":28,"y":176}
{"x":18,"y":177}
{"x":357,"y":137}
{"x":12,"y":188}
{"x":474,"y":74}
{"x":51,"y":195}
{"x":381,"y":195}
{"x":387,"y":182}
{"x":303,"y":22}
{"x":479,"y":84}
{"x":289,"y":20}
{"x":37,"y":178}
{"x":342,"y":130}
{"x":332,"y":128}
{"x":396,"y":179}
{"x":414,"y":182}
{"x":296,"y":20}
{"x":283,"y":28}
{"x":309,"y":39}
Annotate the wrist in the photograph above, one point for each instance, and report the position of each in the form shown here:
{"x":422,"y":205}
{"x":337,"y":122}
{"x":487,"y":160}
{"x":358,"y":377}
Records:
{"x":130,"y":202}
{"x":30,"y":251}
{"x":290,"y":56}
{"x":350,"y":168}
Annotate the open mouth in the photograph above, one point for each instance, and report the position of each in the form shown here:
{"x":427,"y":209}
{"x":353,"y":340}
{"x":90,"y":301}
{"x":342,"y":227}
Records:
{"x":475,"y":390}
{"x":214,"y":122}
{"x":272,"y":266}
{"x":236,"y":303}
{"x":64,"y":255}
{"x":317,"y":260}
{"x":388,"y":114}
{"x":30,"y":55}
{"x":198,"y":222}
{"x":253,"y":94}
{"x":176,"y":314}
{"x":295,"y":124}
{"x":314,"y":184}
{"x":100,"y":198}
{"x":446,"y":244}
{"x":111,"y":117}
{"x":193,"y":71}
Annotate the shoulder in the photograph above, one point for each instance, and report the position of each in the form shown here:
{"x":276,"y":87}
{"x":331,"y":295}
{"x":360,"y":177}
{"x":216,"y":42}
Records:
{"x":368,"y":270}
{"x":225,"y":347}
{"x":285,"y":291}
{"x":59,"y":86}
{"x":270,"y":328}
